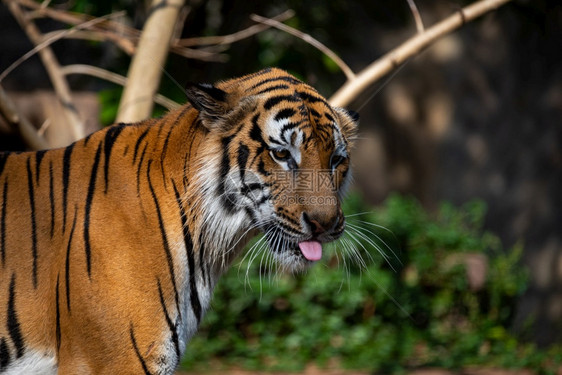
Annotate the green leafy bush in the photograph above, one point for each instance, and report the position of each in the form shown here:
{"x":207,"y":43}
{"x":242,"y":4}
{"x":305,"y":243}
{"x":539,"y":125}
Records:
{"x":431,"y":290}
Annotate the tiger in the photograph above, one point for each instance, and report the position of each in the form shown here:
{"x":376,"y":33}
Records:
{"x":110,"y":248}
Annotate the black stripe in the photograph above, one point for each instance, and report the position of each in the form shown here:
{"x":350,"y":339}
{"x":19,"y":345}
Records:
{"x":256,"y":135}
{"x":242,"y":159}
{"x":143,"y":153}
{"x":263,"y":199}
{"x":261,"y":168}
{"x":4,"y":354}
{"x":3,"y":159}
{"x":185,"y":182}
{"x":137,"y":145}
{"x":136,"y":348}
{"x":313,"y":99}
{"x":247,"y":189}
{"x":202,"y":259}
{"x":171,"y":326}
{"x":163,"y":156}
{"x":31,"y":193}
{"x":3,"y":222}
{"x":274,"y":79}
{"x":164,"y":237}
{"x":202,"y":256}
{"x":57,"y":322}
{"x":188,"y":242}
{"x":110,"y":138}
{"x":65,"y":177}
{"x":273,"y":101}
{"x":67,"y":265}
{"x":272,"y":88}
{"x":251,"y":215}
{"x":189,"y":151}
{"x":52,"y":198}
{"x":12,"y":323}
{"x":88,"y":210}
{"x":38,"y":159}
{"x":285,"y":129}
{"x":274,"y":140}
{"x":224,"y":168}
{"x":254,"y":75}
{"x":284,"y":113}
{"x":87,"y":139}
{"x":315,"y":113}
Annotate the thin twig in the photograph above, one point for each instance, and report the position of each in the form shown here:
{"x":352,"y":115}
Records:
{"x":231,"y":38}
{"x":72,"y":18}
{"x":180,"y":23}
{"x":118,"y":79}
{"x":393,"y":59}
{"x":130,"y":48}
{"x":127,"y":38}
{"x":417,"y":16}
{"x":198,"y":54}
{"x":310,"y":40}
{"x":125,"y":44}
{"x":123,"y":36}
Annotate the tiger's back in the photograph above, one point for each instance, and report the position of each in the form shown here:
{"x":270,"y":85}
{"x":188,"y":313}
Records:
{"x":110,"y":248}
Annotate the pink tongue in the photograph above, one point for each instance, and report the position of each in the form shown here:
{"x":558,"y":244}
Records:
{"x":312,"y":250}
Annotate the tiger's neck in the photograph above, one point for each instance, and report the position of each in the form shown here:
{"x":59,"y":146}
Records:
{"x":191,"y":164}
{"x":180,"y":171}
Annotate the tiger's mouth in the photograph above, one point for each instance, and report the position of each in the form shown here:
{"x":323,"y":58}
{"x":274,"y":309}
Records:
{"x":311,"y":250}
{"x":306,"y":250}
{"x":293,"y":248}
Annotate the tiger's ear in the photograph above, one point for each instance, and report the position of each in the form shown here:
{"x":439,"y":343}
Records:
{"x":349,"y":121}
{"x":211,"y":102}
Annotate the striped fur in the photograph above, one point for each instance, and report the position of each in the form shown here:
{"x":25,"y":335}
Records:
{"x":110,"y":248}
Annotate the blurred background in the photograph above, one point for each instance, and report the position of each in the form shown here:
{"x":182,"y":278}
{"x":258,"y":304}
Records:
{"x":459,"y":157}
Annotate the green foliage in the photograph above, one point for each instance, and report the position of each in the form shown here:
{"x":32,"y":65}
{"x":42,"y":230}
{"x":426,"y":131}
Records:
{"x":109,"y":103}
{"x":418,"y":310}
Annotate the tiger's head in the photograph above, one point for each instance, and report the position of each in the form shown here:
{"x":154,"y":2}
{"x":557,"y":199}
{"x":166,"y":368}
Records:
{"x":275,"y":158}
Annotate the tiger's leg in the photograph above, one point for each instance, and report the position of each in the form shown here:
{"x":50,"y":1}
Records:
{"x":132,"y":352}
{"x":124,"y":326}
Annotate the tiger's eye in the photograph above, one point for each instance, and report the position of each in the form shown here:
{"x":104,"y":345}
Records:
{"x":281,"y":154}
{"x":336,"y":160}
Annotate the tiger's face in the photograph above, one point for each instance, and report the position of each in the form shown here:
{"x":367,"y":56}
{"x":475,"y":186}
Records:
{"x":282,"y":161}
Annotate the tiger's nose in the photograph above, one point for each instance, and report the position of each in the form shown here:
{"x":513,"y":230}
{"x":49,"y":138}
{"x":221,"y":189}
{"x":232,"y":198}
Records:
{"x":320,"y":224}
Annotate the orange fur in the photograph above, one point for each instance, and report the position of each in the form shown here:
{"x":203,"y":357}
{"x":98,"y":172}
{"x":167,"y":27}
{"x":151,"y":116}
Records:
{"x":110,"y":248}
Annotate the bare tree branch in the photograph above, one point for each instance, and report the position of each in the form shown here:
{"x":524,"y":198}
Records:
{"x":127,"y":38}
{"x":379,"y":68}
{"x":235,"y":37}
{"x":45,"y":41}
{"x":123,"y":36}
{"x":125,"y":44}
{"x":146,"y":68}
{"x":417,"y":16}
{"x":310,"y":40}
{"x":27,"y":131}
{"x":118,"y":79}
{"x":71,"y":18}
{"x":75,"y":123}
{"x":198,"y":54}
